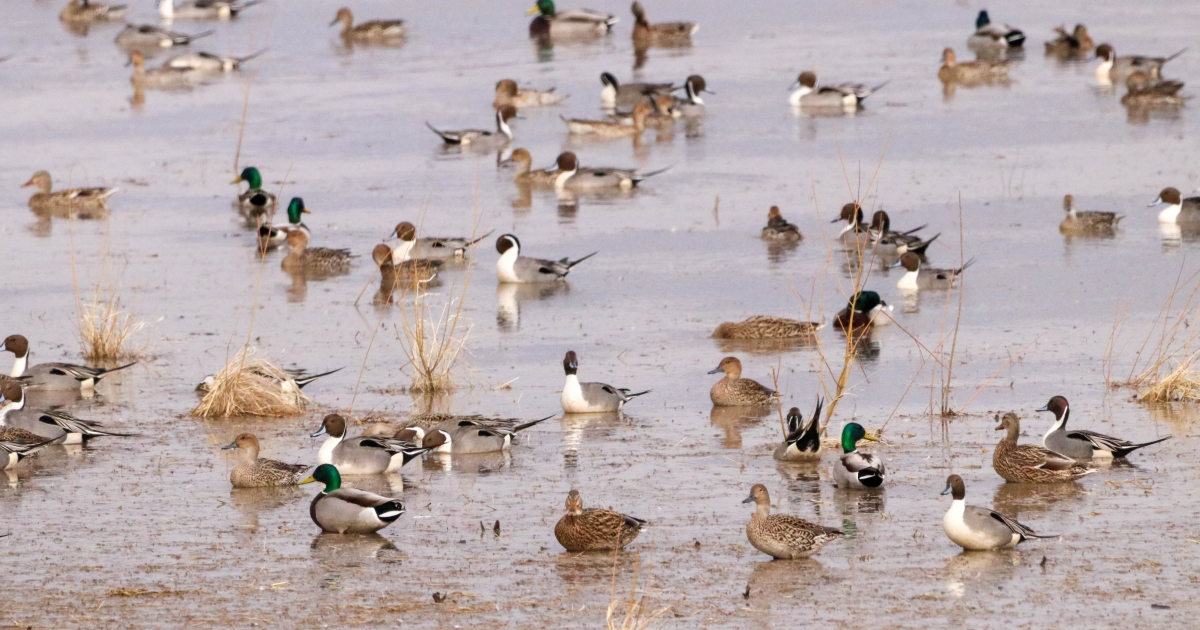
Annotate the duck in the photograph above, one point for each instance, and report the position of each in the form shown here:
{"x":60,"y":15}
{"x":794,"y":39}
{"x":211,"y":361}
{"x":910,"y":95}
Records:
{"x":617,"y":94}
{"x":147,"y":36}
{"x":507,"y":93}
{"x":478,"y":137}
{"x":591,"y":397}
{"x":407,"y":246}
{"x":395,"y":275}
{"x":1077,"y":42}
{"x":550,"y":22}
{"x":782,"y":536}
{"x":471,"y":438}
{"x":12,"y":398}
{"x":665,"y":34}
{"x":14,"y":452}
{"x":691,"y":105}
{"x":512,"y":267}
{"x":47,"y":377}
{"x":803,"y":441}
{"x":525,"y":172}
{"x":970,"y":72}
{"x":1114,"y":69}
{"x":1084,"y":445}
{"x":253,"y":471}
{"x":1144,"y":93}
{"x":1089,"y":221}
{"x":362,"y":455}
{"x":202,"y":9}
{"x":272,"y":236}
{"x":339,"y":510}
{"x":209,"y":62}
{"x":77,"y":431}
{"x":766,"y":327}
{"x":855,"y":229}
{"x":914,"y":280}
{"x":735,"y":391}
{"x":254,"y":202}
{"x":317,"y":259}
{"x":80,"y":198}
{"x":980,"y":529}
{"x":86,"y":11}
{"x":863,"y":312}
{"x":571,"y":177}
{"x":778,"y":228}
{"x":366,"y":32}
{"x":297,"y":379}
{"x":887,"y":242}
{"x":609,"y":129}
{"x":167,"y":77}
{"x":991,"y":36}
{"x":848,"y":96}
{"x":1178,"y":210}
{"x":594,"y":529}
{"x":1027,"y":463}
{"x":855,"y":469}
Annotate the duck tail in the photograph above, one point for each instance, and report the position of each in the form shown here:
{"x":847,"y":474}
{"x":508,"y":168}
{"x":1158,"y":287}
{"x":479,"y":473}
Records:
{"x":629,"y":396}
{"x":642,"y":176}
{"x":916,"y":229}
{"x":522,"y":427}
{"x":1174,"y":56}
{"x":875,"y":89}
{"x":576,"y":262}
{"x":305,"y":380}
{"x":965,"y":265}
{"x":445,"y":138}
{"x":241,"y":60}
{"x":920,"y":248}
{"x":248,"y":4}
{"x":1122,"y":452}
{"x":489,"y":233}
{"x":1015,"y":38}
{"x":191,"y":38}
{"x":110,"y":371}
{"x":1029,"y":534}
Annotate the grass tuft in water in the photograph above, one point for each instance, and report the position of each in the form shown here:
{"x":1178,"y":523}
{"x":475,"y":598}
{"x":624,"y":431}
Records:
{"x":105,"y":328}
{"x":248,"y":386}
{"x":433,"y":339}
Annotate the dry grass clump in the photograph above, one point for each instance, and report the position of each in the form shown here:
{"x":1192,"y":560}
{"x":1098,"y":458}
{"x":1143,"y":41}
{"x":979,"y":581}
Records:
{"x":248,"y":386}
{"x":105,"y":328}
{"x":432,"y":339}
{"x":1180,"y":385}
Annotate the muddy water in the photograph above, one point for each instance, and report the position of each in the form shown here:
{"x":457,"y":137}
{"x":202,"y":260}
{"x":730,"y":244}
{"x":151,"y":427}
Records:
{"x":146,"y":531}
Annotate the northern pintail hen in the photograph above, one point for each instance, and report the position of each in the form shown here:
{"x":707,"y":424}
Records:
{"x":12,"y":399}
{"x":367,"y":32}
{"x":82,"y":11}
{"x":849,"y":96}
{"x":1027,"y":463}
{"x":507,"y":93}
{"x":594,"y":529}
{"x":253,"y":471}
{"x":81,"y":198}
{"x":734,"y":391}
{"x":1144,"y":93}
{"x":364,"y":455}
{"x":663,"y":34}
{"x":12,"y":452}
{"x":991,"y":36}
{"x":254,"y":202}
{"x":591,"y":397}
{"x":864,"y":309}
{"x":778,"y":228}
{"x":980,"y":529}
{"x":855,"y":469}
{"x":887,"y":242}
{"x":202,"y":9}
{"x":610,"y":128}
{"x":515,"y":268}
{"x":573,"y":177}
{"x":916,"y":279}
{"x":1074,"y":44}
{"x":803,"y":441}
{"x":407,"y":246}
{"x":147,"y":36}
{"x":1090,"y":221}
{"x":782,"y":536}
{"x":209,"y":62}
{"x":53,"y":376}
{"x":526,"y":174}
{"x":479,"y":137}
{"x":970,"y":72}
{"x":167,"y":77}
{"x":272,"y":236}
{"x":1114,"y":69}
{"x":617,"y":94}
{"x":301,"y":257}
{"x":766,"y":327}
{"x":471,"y":438}
{"x":1178,"y":210}
{"x":550,"y":22}
{"x":1084,"y":445}
{"x":341,"y":510}
{"x":396,"y":275}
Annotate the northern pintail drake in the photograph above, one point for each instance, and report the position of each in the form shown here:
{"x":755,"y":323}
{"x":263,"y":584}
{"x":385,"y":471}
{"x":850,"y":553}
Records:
{"x":479,"y":137}
{"x":610,"y":128}
{"x":1090,"y":221}
{"x":663,"y":34}
{"x":970,"y":72}
{"x":855,"y":469}
{"x":691,"y":105}
{"x":778,"y":228}
{"x":77,"y":431}
{"x":990,"y":36}
{"x":85,"y":11}
{"x":53,"y":376}
{"x":865,"y":309}
{"x":471,"y":438}
{"x":1027,"y":463}
{"x":886,"y":241}
{"x":735,"y":391}
{"x":507,"y":93}
{"x":147,"y":36}
{"x":339,"y":510}
{"x":254,"y":202}
{"x":407,"y":246}
{"x":572,"y":177}
{"x":362,"y":455}
{"x":803,"y":441}
{"x":209,"y":62}
{"x":1144,"y":93}
{"x":855,"y":229}
{"x":550,"y":22}
{"x":766,"y":327}
{"x":253,"y":471}
{"x":1076,"y":43}
{"x":1178,"y":210}
{"x":297,"y":379}
{"x":81,"y":198}
{"x":12,"y":398}
{"x":782,"y":536}
{"x":202,"y":9}
{"x":1114,"y":69}
{"x":272,"y":236}
{"x":916,"y":279}
{"x":1084,"y":445}
{"x":526,"y":174}
{"x":849,"y":96}
{"x":591,"y":397}
{"x":515,"y":268}
{"x":167,"y":77}
{"x":12,"y":452}
{"x":301,"y":257}
{"x":980,"y":529}
{"x":616,"y":94}
{"x":594,"y":529}
{"x":366,"y":32}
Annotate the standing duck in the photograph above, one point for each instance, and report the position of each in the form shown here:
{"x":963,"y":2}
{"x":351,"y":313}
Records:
{"x":71,"y":198}
{"x":254,"y":202}
{"x":663,"y":35}
{"x":1087,"y":222}
{"x":253,"y":471}
{"x":980,"y":529}
{"x":863,"y":311}
{"x":373,"y":31}
{"x":552,"y":23}
{"x":855,"y":469}
{"x":778,"y":228}
{"x":766,"y":327}
{"x":53,"y":376}
{"x":1027,"y":463}
{"x":735,"y":391}
{"x":803,"y":441}
{"x":591,"y":397}
{"x":341,"y":510}
{"x":782,"y":536}
{"x":594,"y":529}
{"x":1084,"y":445}
{"x":321,"y":260}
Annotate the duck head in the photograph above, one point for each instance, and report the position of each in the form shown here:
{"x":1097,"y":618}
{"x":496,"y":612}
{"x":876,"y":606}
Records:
{"x":574,"y":503}
{"x":731,"y":366}
{"x":955,"y":486}
{"x":851,"y":434}
{"x":251,"y":176}
{"x":326,"y":474}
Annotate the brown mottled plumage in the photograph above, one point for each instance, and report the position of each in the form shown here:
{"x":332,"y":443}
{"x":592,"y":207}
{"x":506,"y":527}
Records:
{"x":610,"y":128}
{"x":507,"y":93}
{"x":253,"y":471}
{"x":594,"y":529}
{"x":1068,"y":45}
{"x":778,"y":229}
{"x":372,"y":31}
{"x":1027,"y":463}
{"x":970,"y":72}
{"x":1087,"y":222}
{"x":84,"y":11}
{"x":319,"y":259}
{"x":766,"y":327}
{"x":735,"y":391}
{"x":665,"y":34}
{"x":406,"y":273}
{"x":526,"y":174}
{"x":782,"y":536}
{"x":83,"y":198}
{"x":1146,"y":93}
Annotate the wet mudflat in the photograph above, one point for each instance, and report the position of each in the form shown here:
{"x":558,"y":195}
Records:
{"x":146,"y":531}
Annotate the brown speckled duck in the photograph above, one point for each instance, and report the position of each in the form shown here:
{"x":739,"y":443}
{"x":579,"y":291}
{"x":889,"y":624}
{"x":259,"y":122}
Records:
{"x":253,"y":471}
{"x":664,"y":34}
{"x":508,"y":93}
{"x":318,"y":259}
{"x":778,"y":229}
{"x":526,"y":174}
{"x":735,"y":391}
{"x":766,"y":327}
{"x":594,"y":529}
{"x":1027,"y":463}
{"x":82,"y":198}
{"x":970,"y":72}
{"x":374,"y":31}
{"x":782,"y":536}
{"x":1087,"y":222}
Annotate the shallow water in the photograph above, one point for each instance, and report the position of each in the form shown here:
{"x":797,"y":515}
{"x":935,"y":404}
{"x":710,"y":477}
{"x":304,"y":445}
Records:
{"x":133,"y":532}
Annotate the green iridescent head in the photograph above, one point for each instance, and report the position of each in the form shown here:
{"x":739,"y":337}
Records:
{"x":328,"y":475}
{"x":295,"y":209}
{"x":251,"y":176}
{"x":851,"y":434}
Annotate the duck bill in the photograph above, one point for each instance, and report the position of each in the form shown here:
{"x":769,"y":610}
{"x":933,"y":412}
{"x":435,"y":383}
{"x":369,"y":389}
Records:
{"x":309,"y":479}
{"x":1155,"y":202}
{"x":230,"y":446}
{"x":749,"y":499}
{"x":719,"y":369}
{"x":1046,"y":408}
{"x":895,"y":264}
{"x":28,"y":184}
{"x":870,"y":438}
{"x":533,"y":11}
{"x":335,"y":21}
{"x":793,"y":86}
{"x":319,"y":432}
{"x":948,"y":490}
{"x":238,"y":180}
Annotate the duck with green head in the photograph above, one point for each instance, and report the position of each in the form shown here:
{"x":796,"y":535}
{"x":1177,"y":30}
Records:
{"x":341,"y":510}
{"x":855,"y":469}
{"x":550,"y":22}
{"x":272,"y":236}
{"x":255,"y":202}
{"x":862,"y":312}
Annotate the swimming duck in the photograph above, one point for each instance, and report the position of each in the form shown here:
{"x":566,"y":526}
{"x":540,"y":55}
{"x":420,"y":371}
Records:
{"x":931,"y":279}
{"x":571,"y":177}
{"x":766,"y":327}
{"x":471,"y":438}
{"x":12,"y":398}
{"x":862,"y":311}
{"x":574,"y":23}
{"x":1073,"y":44}
{"x":849,"y":96}
{"x":782,"y":536}
{"x":980,"y":529}
{"x":145,"y":35}
{"x":1084,"y":445}
{"x":362,"y":455}
{"x":478,"y":137}
{"x":778,"y":229}
{"x":1090,"y":221}
{"x":665,"y":111}
{"x":594,"y":529}
{"x":854,"y":469}
{"x":1178,"y":210}
{"x":970,"y":72}
{"x":855,"y":229}
{"x":616,"y":94}
{"x":887,"y":242}
{"x":691,"y":105}
{"x":167,"y":77}
{"x":735,"y":391}
{"x":341,"y":510}
{"x":591,"y":397}
{"x":53,"y":376}
{"x":610,"y":128}
{"x":367,"y":32}
{"x":271,"y":236}
{"x":255,"y":202}
{"x":318,"y":259}
{"x":407,"y":246}
{"x":1144,"y":93}
{"x":13,"y":452}
{"x":525,"y":172}
{"x":507,"y":93}
{"x":1114,"y":69}
{"x":297,"y":379}
{"x":515,"y":268}
{"x":803,"y":441}
{"x":395,"y":275}
{"x":665,"y":34}
{"x":76,"y":431}
{"x":81,"y":198}
{"x":990,"y":36}
{"x":1026,"y":463}
{"x":253,"y":471}
{"x":85,"y":11}
{"x":209,"y":62}
{"x":202,"y":9}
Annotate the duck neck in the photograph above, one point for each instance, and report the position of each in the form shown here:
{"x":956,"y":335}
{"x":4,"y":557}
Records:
{"x":560,"y":181}
{"x":762,"y":509}
{"x":7,"y":407}
{"x":608,"y":96}
{"x":957,"y":508}
{"x":908,"y":280}
{"x":1060,"y":423}
{"x":502,"y":125}
{"x":19,"y":366}
{"x":1010,"y":438}
{"x":166,"y":9}
{"x":571,"y":388}
{"x":249,"y":454}
{"x":1169,"y":214}
{"x":325,"y":455}
{"x":401,"y":250}
{"x":693,"y":97}
{"x":504,"y":266}
{"x":798,"y":94}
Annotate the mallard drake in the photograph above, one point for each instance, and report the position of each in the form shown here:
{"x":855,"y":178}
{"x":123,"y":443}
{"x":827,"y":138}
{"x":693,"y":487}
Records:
{"x":341,"y":510}
{"x":591,"y":397}
{"x":782,"y":536}
{"x":803,"y":441}
{"x":254,"y":202}
{"x":468,"y":438}
{"x":665,"y":34}
{"x":735,"y":391}
{"x":778,"y":228}
{"x":1084,"y":445}
{"x":855,"y":469}
{"x":85,"y":11}
{"x":766,"y":327}
{"x":980,"y":529}
{"x":863,"y":311}
{"x":202,"y":9}
{"x":574,"y":23}
{"x":367,"y":32}
{"x":209,"y":62}
{"x":13,"y":452}
{"x":1090,"y":221}
{"x":166,"y":77}
{"x":915,"y":279}
{"x":147,"y":36}
{"x":317,"y":259}
{"x":71,"y":198}
{"x":52,"y":376}
{"x":12,"y":398}
{"x":479,"y":137}
{"x":1143,"y":93}
{"x":525,"y":172}
{"x":608,"y":129}
{"x":617,"y":94}
{"x":253,"y":471}
{"x":990,"y":36}
{"x":848,"y":96}
{"x":1073,"y":44}
{"x":594,"y":529}
{"x":1027,"y":463}
{"x":570,"y":176}
{"x":272,"y":236}
{"x":363,"y":455}
{"x":970,"y":73}
{"x":887,"y":242}
{"x":507,"y":93}
{"x":514,"y":268}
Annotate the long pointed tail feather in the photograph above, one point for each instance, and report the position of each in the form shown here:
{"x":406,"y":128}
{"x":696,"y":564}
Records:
{"x":522,"y":427}
{"x":1122,"y":452}
{"x":576,"y":262}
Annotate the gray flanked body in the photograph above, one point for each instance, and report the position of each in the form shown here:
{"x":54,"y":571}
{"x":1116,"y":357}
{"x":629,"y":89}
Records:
{"x":364,"y":455}
{"x":512,"y":267}
{"x":580,"y":397}
{"x":980,"y":529}
{"x":470,"y":438}
{"x":1084,"y":445}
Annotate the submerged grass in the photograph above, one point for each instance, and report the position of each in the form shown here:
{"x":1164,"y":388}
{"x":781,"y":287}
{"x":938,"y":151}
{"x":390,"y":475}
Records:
{"x":249,"y":386}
